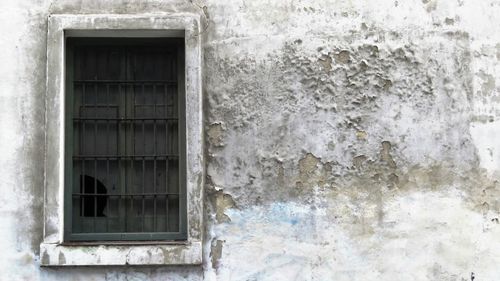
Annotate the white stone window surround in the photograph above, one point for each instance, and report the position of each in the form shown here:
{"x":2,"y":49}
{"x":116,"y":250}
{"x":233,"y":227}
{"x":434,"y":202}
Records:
{"x":53,"y":250}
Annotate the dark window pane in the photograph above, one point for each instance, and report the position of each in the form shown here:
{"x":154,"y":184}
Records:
{"x":125,"y":138}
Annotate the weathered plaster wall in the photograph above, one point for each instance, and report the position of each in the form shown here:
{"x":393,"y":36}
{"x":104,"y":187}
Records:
{"x":346,"y":140}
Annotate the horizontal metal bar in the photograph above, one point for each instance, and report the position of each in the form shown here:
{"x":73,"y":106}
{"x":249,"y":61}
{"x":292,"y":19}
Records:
{"x":125,"y":119}
{"x":127,"y":243}
{"x":114,"y":217}
{"x":99,"y":105}
{"x":127,"y":236}
{"x":127,"y":81}
{"x":116,"y":106}
{"x":127,"y":194}
{"x":104,"y":157}
{"x":153,"y":105}
{"x":136,"y":105}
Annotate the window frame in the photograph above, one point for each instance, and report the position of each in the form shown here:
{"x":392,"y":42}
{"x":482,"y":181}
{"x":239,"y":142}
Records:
{"x":69,"y":236}
{"x":55,"y":250}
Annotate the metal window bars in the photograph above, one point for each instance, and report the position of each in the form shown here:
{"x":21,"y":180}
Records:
{"x":125,"y":142}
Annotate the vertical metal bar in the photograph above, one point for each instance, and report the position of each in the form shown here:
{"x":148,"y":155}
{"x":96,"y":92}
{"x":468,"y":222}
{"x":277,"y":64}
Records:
{"x":143,"y":164}
{"x":154,"y":159}
{"x":167,"y":193}
{"x":108,"y":201}
{"x":126,"y":150}
{"x":121,"y":151}
{"x":167,"y":151}
{"x":143,"y":184}
{"x":95,"y":193}
{"x":96,"y":91}
{"x":133,"y":125}
{"x":132,"y":129}
{"x":107,"y":153}
{"x":118,"y":153}
{"x":132,"y":206}
{"x":176,"y":92}
{"x":172,"y":140}
{"x":82,"y":152}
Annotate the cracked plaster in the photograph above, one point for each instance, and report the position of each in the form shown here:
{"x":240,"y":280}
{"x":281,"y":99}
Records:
{"x":347,"y":139}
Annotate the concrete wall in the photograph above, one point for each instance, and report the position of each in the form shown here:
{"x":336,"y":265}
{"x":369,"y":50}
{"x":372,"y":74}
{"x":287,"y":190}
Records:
{"x":346,"y":139}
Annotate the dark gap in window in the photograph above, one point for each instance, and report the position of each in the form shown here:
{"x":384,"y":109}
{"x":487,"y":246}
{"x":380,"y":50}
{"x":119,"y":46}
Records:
{"x":93,"y":203}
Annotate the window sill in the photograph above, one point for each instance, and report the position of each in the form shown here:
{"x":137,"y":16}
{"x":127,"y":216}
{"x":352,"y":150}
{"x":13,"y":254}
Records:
{"x":115,"y":254}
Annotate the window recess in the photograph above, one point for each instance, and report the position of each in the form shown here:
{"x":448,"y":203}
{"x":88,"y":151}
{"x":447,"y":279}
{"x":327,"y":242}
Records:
{"x":92,"y":223}
{"x":125,"y":139}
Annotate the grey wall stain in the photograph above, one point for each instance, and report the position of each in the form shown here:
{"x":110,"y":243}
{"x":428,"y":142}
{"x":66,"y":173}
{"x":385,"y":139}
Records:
{"x":305,"y":119}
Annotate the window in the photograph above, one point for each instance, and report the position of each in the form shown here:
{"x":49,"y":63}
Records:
{"x":125,"y":139}
{"x":124,"y":169}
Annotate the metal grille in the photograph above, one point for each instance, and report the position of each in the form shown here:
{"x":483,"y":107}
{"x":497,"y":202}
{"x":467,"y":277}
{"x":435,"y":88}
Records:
{"x":125,"y":116}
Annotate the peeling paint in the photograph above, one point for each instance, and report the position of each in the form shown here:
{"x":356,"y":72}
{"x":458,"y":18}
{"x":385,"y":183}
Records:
{"x":223,"y":202}
{"x":342,"y":57}
{"x":216,"y":253}
{"x":385,"y":154}
{"x":346,"y":140}
{"x":326,"y":61}
{"x":215,"y":135}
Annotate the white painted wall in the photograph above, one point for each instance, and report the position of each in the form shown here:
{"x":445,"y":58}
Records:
{"x":346,"y":140}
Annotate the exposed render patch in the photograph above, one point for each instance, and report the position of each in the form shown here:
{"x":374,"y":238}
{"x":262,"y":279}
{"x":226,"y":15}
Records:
{"x":358,"y":160}
{"x":342,"y":57}
{"x":385,"y":154}
{"x":216,"y":253}
{"x":326,"y":61}
{"x":308,"y":165}
{"x":223,"y":202}
{"x":215,"y":134}
{"x":361,"y":135}
{"x":312,"y":173}
{"x":386,"y":84}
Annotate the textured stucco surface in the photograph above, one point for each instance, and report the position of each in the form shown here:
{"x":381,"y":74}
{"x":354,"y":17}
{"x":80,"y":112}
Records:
{"x":345,"y":140}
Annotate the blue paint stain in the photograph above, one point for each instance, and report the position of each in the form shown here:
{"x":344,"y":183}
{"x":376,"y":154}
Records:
{"x":275,"y":214}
